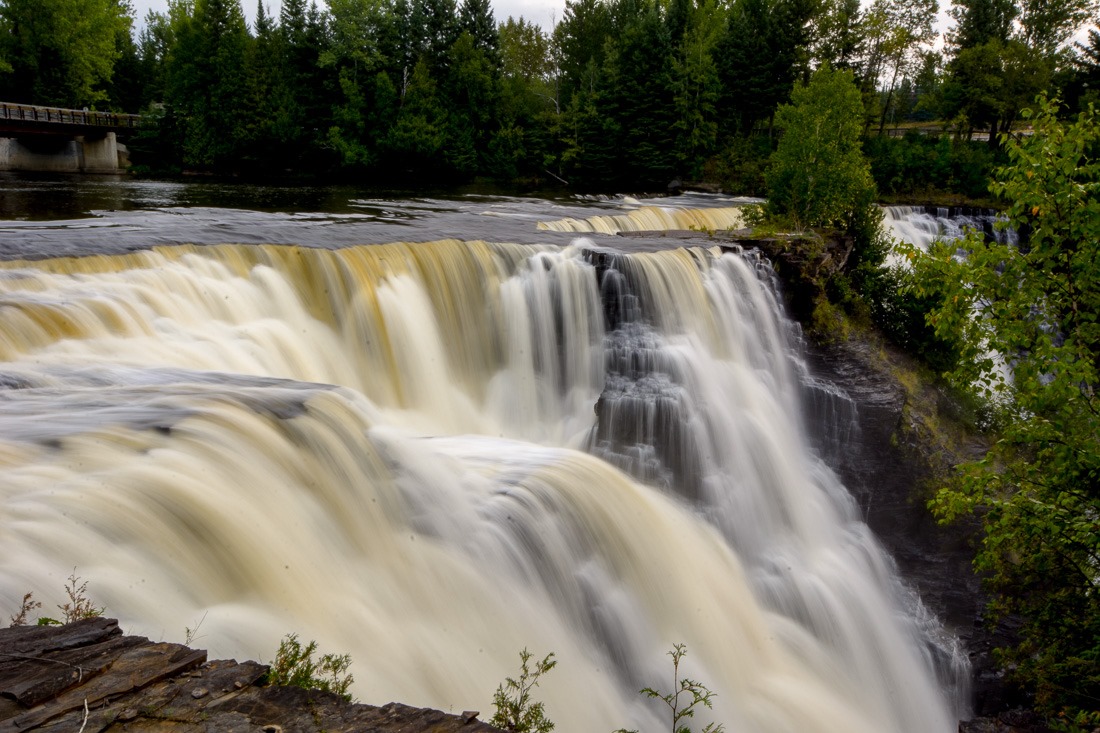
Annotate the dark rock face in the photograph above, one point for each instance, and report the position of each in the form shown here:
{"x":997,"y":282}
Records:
{"x":890,"y":459}
{"x":88,"y":676}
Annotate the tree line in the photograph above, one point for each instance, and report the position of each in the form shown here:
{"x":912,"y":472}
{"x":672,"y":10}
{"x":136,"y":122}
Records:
{"x":618,"y":92}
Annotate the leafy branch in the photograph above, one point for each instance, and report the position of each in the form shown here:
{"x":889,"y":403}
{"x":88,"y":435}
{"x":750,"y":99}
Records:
{"x":686,"y":696}
{"x":515,"y":710}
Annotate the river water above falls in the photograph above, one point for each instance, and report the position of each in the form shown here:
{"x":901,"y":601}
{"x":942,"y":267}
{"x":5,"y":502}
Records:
{"x":432,"y":455}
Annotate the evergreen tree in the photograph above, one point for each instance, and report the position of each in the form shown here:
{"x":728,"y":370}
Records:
{"x":207,"y":82}
{"x":580,"y":39}
{"x":470,"y":88}
{"x":1046,"y":25}
{"x":476,"y":18}
{"x":529,"y":105}
{"x":436,"y":22}
{"x":365,"y":105}
{"x":636,"y":97}
{"x":978,"y":22}
{"x":765,"y":49}
{"x":414,"y":145}
{"x":696,"y":89}
{"x":839,"y":36}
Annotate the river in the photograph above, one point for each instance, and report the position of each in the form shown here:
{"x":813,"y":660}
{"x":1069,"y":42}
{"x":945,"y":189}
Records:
{"x":432,"y":431}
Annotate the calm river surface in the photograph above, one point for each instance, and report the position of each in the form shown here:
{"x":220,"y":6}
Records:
{"x":48,"y":216}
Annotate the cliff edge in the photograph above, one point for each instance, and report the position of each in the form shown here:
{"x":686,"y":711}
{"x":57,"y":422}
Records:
{"x":88,"y":676}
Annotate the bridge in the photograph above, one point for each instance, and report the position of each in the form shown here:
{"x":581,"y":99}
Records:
{"x":35,"y":138}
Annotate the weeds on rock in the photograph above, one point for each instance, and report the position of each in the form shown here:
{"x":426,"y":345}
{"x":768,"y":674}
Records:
{"x":79,"y":605}
{"x":191,"y":634}
{"x":295,"y":666}
{"x":515,"y":710}
{"x":28,"y":605}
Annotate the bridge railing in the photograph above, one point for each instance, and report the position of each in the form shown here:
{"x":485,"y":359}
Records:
{"x":83,"y":117}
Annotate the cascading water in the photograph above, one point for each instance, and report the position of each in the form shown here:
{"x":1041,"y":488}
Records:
{"x":422,"y":455}
{"x":921,"y":225}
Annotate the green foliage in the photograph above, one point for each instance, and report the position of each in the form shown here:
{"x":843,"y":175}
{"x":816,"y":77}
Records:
{"x":693,"y":695}
{"x":818,"y":175}
{"x":899,"y":300}
{"x":1036,"y":308}
{"x":515,"y":709}
{"x":760,"y":56}
{"x":60,"y":52}
{"x":294,"y":666}
{"x":918,"y":164}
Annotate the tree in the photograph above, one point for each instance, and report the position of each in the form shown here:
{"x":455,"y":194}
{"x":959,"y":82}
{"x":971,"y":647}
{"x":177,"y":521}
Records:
{"x":978,"y":22}
{"x":580,"y":39}
{"x":529,"y":102}
{"x":818,"y":175}
{"x":896,"y":30}
{"x":61,"y":52}
{"x":1026,"y":320}
{"x":696,"y":89}
{"x":765,"y":49}
{"x":476,"y":18}
{"x":1046,"y":25}
{"x":364,"y":109}
{"x":636,"y":95}
{"x":207,"y":83}
{"x":838,"y":35}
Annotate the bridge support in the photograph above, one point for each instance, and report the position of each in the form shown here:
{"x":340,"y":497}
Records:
{"x":58,"y":154}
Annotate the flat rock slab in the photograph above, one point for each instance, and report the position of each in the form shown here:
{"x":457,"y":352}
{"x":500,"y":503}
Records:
{"x":87,"y":676}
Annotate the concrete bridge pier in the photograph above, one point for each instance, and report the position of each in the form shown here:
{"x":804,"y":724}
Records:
{"x":89,"y":153}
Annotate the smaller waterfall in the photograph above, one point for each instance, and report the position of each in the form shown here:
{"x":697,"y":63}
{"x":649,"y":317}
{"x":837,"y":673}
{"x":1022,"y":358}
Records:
{"x":651,"y":218}
{"x":921,"y":225}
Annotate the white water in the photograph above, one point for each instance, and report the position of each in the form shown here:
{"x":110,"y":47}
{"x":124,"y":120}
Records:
{"x":381,"y":448}
{"x":652,"y":219}
{"x":920,"y":227}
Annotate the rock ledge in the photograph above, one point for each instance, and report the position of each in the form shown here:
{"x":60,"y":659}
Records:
{"x":88,"y":676}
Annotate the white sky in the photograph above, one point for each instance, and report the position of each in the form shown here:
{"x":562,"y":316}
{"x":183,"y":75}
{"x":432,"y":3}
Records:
{"x":539,"y":11}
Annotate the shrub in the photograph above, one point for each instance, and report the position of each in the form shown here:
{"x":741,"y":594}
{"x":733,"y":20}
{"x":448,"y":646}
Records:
{"x":515,"y":710}
{"x":294,"y":666}
{"x":79,"y":606}
{"x":698,"y":693}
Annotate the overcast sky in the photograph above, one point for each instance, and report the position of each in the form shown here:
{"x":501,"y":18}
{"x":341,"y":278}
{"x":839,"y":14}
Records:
{"x":539,"y":11}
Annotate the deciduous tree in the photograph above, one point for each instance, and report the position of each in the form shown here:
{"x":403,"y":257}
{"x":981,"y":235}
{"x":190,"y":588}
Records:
{"x":1027,"y":319}
{"x":60,"y":52}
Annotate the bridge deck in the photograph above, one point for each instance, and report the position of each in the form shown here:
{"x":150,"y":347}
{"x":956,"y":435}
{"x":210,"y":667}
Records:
{"x":27,"y":118}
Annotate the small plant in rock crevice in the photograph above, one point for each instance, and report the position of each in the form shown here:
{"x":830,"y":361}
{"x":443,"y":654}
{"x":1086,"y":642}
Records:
{"x":79,"y":606}
{"x":25,"y":608}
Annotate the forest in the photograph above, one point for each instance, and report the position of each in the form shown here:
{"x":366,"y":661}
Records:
{"x":619,"y":93}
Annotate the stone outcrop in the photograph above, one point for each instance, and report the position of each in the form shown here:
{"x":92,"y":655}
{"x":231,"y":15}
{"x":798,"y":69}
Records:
{"x":88,"y":676}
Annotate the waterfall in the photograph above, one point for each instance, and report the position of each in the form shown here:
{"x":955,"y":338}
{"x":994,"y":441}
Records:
{"x":652,"y":218}
{"x":433,"y":456}
{"x":921,"y":225}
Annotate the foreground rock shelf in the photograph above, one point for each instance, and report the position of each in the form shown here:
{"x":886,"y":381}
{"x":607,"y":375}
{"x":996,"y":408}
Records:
{"x":88,"y":676}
